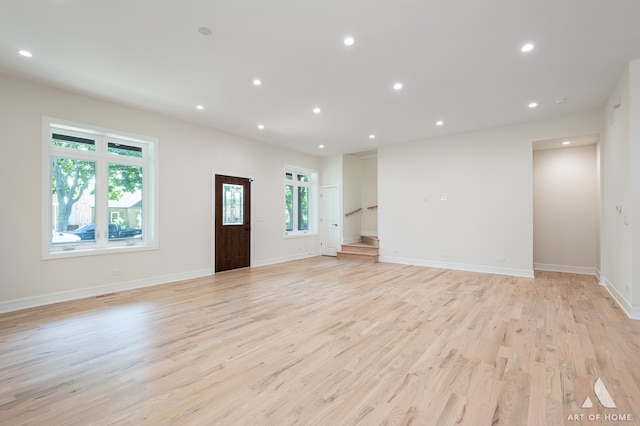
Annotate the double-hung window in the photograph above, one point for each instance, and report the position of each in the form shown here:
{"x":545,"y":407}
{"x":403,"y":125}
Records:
{"x":300,"y":201}
{"x":99,"y":190}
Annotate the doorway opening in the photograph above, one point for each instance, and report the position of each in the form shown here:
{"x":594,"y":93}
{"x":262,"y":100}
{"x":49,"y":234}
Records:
{"x":566,"y":205}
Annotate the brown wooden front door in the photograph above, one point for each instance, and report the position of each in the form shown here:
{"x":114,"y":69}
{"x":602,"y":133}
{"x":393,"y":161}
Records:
{"x":233,"y":222}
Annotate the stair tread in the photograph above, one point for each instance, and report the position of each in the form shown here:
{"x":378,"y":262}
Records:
{"x":358,"y":253}
{"x":358,"y":257}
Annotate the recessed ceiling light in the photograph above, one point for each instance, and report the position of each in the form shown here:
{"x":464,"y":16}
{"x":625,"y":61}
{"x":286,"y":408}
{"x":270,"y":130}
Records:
{"x":397,"y":86}
{"x":566,"y":143}
{"x":321,"y":146}
{"x":200,"y":107}
{"x":439,"y":123}
{"x":349,"y":41}
{"x":533,"y":104}
{"x":316,"y":110}
{"x":25,"y":53}
{"x":205,"y":31}
{"x":261,"y":126}
{"x":372,"y":136}
{"x":257,"y":82}
{"x":527,"y":48}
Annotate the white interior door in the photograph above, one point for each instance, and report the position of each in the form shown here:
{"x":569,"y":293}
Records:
{"x":331,"y":223}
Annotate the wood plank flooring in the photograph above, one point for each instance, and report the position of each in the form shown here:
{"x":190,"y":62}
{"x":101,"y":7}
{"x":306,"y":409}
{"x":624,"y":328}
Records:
{"x":325,"y":342}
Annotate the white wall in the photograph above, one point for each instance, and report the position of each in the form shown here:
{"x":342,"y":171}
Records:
{"x":634,"y":157}
{"x":331,"y":170}
{"x":189,"y":155}
{"x":617,"y":192}
{"x":486,"y":222}
{"x":351,"y":198}
{"x":369,"y":195}
{"x":566,"y":210}
{"x":621,"y":187}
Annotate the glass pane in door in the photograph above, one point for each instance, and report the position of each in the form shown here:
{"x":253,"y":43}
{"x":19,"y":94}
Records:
{"x":232,"y":204}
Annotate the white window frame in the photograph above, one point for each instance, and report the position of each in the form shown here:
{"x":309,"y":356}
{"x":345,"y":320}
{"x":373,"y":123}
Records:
{"x":313,"y":201}
{"x":149,"y":163}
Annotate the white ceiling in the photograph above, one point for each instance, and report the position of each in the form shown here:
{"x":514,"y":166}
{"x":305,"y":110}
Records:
{"x":459,"y":61}
{"x":565,"y":142}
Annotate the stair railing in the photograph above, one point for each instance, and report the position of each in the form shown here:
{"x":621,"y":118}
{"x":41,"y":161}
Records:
{"x":353,"y":212}
{"x":358,"y":210}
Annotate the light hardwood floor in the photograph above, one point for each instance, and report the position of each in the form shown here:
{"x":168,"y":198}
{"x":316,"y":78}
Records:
{"x":326,"y":342}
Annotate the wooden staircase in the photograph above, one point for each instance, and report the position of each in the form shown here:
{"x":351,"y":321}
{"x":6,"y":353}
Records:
{"x":367,"y":250}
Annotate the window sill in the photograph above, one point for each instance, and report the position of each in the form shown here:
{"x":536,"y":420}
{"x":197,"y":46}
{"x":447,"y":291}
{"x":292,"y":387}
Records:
{"x":300,"y":234}
{"x":80,"y":251}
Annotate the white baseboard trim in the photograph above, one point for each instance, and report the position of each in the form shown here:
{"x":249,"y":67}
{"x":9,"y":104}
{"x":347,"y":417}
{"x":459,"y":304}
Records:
{"x":82,"y":293}
{"x":276,"y":260}
{"x":632,"y":312}
{"x":582,"y":270}
{"x":524,"y":273}
{"x":370,"y":233}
